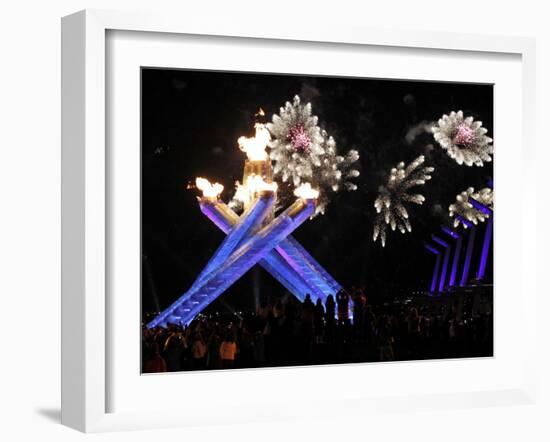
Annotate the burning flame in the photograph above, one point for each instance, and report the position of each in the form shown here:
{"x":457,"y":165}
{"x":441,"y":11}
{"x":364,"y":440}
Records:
{"x":306,"y":192}
{"x":253,"y":185}
{"x":255,"y":147}
{"x":208,"y":189}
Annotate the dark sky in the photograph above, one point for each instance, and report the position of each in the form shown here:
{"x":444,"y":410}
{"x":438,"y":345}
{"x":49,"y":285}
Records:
{"x":190,"y":124}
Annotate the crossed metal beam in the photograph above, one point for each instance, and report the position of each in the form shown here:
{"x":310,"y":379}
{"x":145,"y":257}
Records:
{"x":251,"y":239}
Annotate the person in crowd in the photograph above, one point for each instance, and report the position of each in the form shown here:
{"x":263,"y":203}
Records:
{"x":413,"y":332}
{"x":228,"y":351}
{"x":307,"y":311}
{"x":318,"y":320}
{"x":246,"y":347}
{"x":342,"y":300}
{"x":359,"y":302}
{"x":259,"y":349}
{"x":213,"y":350}
{"x":156,"y":363}
{"x":173,"y":348}
{"x":198,"y":349}
{"x":278,"y":310}
{"x":330,"y":309}
{"x":385,"y":340}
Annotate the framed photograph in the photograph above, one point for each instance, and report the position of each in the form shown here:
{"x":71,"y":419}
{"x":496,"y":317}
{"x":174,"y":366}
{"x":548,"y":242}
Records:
{"x":321,"y":217}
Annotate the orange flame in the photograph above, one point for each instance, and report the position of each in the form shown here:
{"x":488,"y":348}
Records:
{"x":249,"y":190}
{"x":208,"y":190}
{"x":255,"y":147}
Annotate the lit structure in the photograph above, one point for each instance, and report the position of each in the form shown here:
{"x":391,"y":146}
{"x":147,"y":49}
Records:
{"x":443,"y":274}
{"x":442,"y":249}
{"x":437,"y":253}
{"x":486,"y":238}
{"x":468,"y":257}
{"x":456,"y":256}
{"x":289,"y":262}
{"x":254,"y":237}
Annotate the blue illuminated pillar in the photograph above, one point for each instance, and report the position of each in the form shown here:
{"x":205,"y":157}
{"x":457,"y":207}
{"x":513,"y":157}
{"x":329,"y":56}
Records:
{"x":228,"y":269}
{"x":486,"y":239}
{"x":224,"y":217}
{"x":456,"y":256}
{"x":443,"y":273}
{"x":485,"y":249}
{"x":249,"y":253}
{"x":468,"y":258}
{"x":437,"y":254}
{"x":249,"y":221}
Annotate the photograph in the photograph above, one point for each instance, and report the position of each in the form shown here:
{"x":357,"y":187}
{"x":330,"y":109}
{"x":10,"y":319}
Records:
{"x":301,"y":220}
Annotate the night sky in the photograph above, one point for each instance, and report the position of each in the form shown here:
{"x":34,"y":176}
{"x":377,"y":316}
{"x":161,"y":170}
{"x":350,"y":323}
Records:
{"x":191,"y":121}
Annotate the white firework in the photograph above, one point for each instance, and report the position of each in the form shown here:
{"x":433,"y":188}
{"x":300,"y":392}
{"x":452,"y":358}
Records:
{"x":464,"y":209}
{"x":302,"y":152}
{"x":390,"y":203}
{"x":464,"y":139}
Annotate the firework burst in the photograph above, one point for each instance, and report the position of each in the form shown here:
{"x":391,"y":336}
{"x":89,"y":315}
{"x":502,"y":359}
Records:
{"x":302,"y":152}
{"x":463,"y":138}
{"x":390,"y":203}
{"x":465,"y":210}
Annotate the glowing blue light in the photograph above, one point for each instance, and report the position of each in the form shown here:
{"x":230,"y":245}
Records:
{"x":436,"y":266}
{"x":485,"y":249}
{"x":252,"y":219}
{"x":450,"y":232}
{"x":249,"y":220}
{"x":444,"y":244}
{"x":468,"y":258}
{"x":225,"y":269}
{"x":456,"y":256}
{"x":223,"y":217}
{"x":290,"y":263}
{"x":464,"y":221}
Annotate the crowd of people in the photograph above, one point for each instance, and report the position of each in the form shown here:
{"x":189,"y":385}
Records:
{"x":343,"y":330}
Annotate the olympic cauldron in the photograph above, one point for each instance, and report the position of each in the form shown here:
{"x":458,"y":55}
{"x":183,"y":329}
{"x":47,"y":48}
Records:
{"x":257,"y":236}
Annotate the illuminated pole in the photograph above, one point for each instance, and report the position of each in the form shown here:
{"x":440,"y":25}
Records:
{"x":436,"y":266}
{"x":456,"y":256}
{"x":486,"y":239}
{"x":443,"y":274}
{"x":255,"y":214}
{"x":485,"y":250}
{"x":250,"y":221}
{"x":469,"y":250}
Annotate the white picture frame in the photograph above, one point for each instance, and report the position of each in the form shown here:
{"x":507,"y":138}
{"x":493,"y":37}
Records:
{"x":86,"y":205}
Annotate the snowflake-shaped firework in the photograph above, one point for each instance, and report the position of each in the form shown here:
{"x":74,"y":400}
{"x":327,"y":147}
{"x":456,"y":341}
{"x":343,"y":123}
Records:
{"x":463,"y":209}
{"x":302,"y":152}
{"x":463,"y":138}
{"x":390,"y":203}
